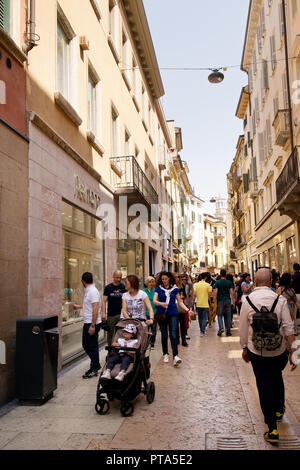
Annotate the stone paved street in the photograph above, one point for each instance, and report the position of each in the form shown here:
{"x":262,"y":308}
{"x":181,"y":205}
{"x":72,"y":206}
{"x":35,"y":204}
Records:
{"x":210,"y":402}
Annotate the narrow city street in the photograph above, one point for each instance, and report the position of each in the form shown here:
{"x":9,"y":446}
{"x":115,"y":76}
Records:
{"x":209,"y":403}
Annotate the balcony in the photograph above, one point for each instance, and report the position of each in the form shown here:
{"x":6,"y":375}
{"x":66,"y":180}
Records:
{"x":236,"y":179}
{"x":253,"y":190}
{"x":288,"y":188}
{"x":281,"y":126}
{"x":240,"y":241}
{"x":237,"y":210}
{"x":129,"y":180}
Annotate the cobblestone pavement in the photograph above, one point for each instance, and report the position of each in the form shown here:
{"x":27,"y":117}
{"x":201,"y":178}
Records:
{"x":209,"y":402}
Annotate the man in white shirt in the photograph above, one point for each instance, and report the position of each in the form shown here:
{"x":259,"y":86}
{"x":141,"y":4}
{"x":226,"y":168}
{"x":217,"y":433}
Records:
{"x":91,"y":320}
{"x":268,"y":364}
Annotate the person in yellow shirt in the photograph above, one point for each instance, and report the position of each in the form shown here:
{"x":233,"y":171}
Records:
{"x":202,"y":291}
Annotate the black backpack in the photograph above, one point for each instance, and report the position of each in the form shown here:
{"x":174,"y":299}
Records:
{"x":266,"y":330}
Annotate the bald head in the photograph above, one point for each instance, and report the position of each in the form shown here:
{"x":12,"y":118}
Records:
{"x":263,"y":277}
{"x":117,"y":278}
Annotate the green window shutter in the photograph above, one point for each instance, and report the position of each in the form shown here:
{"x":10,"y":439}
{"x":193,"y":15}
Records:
{"x":5,"y":15}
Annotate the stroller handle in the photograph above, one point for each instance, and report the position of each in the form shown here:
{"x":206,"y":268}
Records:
{"x":112,"y":348}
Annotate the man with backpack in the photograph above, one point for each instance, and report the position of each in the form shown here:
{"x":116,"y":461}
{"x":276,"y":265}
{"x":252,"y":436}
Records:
{"x":267,"y":337}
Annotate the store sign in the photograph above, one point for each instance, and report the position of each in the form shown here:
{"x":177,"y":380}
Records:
{"x":84,"y":194}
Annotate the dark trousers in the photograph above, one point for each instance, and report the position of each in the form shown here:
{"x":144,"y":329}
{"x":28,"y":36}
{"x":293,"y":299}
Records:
{"x":270,"y":385}
{"x":124,"y":359}
{"x":171,"y":325}
{"x":112,"y":321}
{"x":91,"y":346}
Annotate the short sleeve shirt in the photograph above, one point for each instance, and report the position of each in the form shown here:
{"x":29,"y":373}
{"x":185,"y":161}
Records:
{"x":91,"y":296}
{"x":202,"y":290}
{"x":172,"y":308}
{"x":223,"y":286}
{"x":114,"y":298}
{"x":127,"y":343}
{"x":136,"y":304}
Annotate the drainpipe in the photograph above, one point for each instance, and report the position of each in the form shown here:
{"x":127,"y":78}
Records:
{"x":288,"y":74}
{"x":30,"y":35}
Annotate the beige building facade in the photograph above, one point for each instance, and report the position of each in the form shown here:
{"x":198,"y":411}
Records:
{"x":269,"y":166}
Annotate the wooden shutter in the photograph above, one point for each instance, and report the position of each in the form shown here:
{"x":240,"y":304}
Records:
{"x":262,"y":21}
{"x":285,"y":92}
{"x":254,"y":168}
{"x":273,"y":51}
{"x":269,"y":137}
{"x":258,"y":35}
{"x":265,"y":75}
{"x":5,"y":14}
{"x":250,"y":79}
{"x":281,"y":23}
{"x":257,"y":109}
{"x":254,"y":62}
{"x":276,"y":105}
{"x":261,"y":146}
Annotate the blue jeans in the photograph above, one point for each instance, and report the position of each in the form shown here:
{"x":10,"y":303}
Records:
{"x":202,"y":318}
{"x":170,"y":323}
{"x":224,"y":309}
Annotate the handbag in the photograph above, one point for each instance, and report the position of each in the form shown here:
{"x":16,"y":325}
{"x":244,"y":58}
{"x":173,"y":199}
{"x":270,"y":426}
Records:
{"x":159,"y":317}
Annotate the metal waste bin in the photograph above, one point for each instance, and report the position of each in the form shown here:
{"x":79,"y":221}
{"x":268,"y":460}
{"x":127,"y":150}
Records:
{"x":37,"y":341}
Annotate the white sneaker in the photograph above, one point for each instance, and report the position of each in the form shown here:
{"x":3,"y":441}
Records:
{"x":120,"y":376}
{"x":106,"y":375}
{"x":202,"y":334}
{"x":177,"y":361}
{"x":166,"y":358}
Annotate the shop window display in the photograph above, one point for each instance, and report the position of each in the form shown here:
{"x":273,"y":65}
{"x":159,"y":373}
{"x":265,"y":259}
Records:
{"x":83,"y":251}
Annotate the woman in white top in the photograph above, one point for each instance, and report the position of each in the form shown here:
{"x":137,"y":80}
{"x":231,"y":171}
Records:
{"x":135,"y":300}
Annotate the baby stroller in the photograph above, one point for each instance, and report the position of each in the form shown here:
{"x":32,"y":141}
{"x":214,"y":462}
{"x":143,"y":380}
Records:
{"x":137,"y":374}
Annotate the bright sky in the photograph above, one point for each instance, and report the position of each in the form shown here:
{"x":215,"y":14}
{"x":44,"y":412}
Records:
{"x":202,"y":33}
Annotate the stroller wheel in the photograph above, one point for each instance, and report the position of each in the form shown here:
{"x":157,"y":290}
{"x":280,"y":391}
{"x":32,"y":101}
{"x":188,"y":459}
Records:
{"x":102,"y":407}
{"x":127,"y":408}
{"x":150,"y":392}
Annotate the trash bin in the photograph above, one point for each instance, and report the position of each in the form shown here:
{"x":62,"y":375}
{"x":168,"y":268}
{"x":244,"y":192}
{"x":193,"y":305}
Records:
{"x":36,"y":359}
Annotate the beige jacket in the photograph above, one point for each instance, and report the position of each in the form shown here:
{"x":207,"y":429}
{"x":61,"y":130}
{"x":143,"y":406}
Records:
{"x":264,"y":296}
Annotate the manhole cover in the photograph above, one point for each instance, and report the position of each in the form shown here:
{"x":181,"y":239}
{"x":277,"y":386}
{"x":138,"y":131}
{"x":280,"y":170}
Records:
{"x":289,"y":443}
{"x":231,"y":443}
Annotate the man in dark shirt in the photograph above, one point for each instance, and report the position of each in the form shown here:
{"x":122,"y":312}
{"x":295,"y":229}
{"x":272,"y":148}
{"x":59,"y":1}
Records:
{"x":224,"y":294}
{"x":112,"y":298}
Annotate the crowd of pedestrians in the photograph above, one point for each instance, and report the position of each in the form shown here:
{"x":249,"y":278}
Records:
{"x":169,"y":301}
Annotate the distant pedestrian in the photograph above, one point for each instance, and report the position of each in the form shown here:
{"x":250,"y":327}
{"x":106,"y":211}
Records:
{"x":112,"y":304}
{"x":285,"y":289}
{"x":202,"y":291}
{"x":224,"y":295}
{"x":150,"y":291}
{"x":91,"y":323}
{"x":246,"y":286}
{"x":268,"y":361}
{"x":165,"y":297}
{"x":183,"y":314}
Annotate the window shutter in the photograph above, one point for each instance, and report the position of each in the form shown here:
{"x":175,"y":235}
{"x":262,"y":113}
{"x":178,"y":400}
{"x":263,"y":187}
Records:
{"x":258,"y":35}
{"x":257,"y":109}
{"x":269,"y":136}
{"x":254,"y":175}
{"x":250,"y":80}
{"x":265,"y":144}
{"x":5,"y":15}
{"x":261,"y":147}
{"x":294,"y":7}
{"x":265,"y":75}
{"x":262,"y":21}
{"x":253,"y":123}
{"x":281,"y":23}
{"x":254,"y":62}
{"x":273,"y":51}
{"x":285,"y":92}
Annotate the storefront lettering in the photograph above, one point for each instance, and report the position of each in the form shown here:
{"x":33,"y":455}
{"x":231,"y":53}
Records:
{"x":84,"y":194}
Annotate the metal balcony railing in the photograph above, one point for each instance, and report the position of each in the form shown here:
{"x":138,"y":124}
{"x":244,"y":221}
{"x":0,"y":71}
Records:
{"x":128,"y":176}
{"x":288,"y":177}
{"x":281,"y":126}
{"x":239,"y":241}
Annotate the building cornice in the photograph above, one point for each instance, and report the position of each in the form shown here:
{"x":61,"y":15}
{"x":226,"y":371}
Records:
{"x":250,"y":36}
{"x":243,"y":103}
{"x":12,"y":47}
{"x":138,"y":23}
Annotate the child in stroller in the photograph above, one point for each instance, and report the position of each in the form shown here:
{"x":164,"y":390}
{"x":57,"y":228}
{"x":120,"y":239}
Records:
{"x":122,"y":357}
{"x":135,"y":373}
